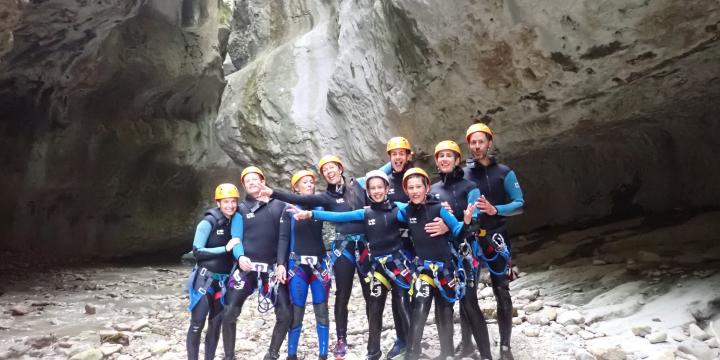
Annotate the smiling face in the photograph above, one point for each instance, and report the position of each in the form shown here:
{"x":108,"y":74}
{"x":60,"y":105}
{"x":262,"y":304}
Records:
{"x":332,"y":172}
{"x":253,"y":183}
{"x":377,"y":189}
{"x":416,"y":189}
{"x":446,"y":160}
{"x":306,"y":185}
{"x":398,"y":158}
{"x":479,"y":144}
{"x":227,"y":206}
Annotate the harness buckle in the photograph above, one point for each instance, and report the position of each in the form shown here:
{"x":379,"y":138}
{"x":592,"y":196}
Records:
{"x":203,"y":271}
{"x":308,"y":260}
{"x":202,"y":291}
{"x":260,"y":267}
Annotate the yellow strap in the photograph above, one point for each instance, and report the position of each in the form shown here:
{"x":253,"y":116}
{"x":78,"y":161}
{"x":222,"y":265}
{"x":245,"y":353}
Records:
{"x":428,"y":279}
{"x":382,"y":279}
{"x":482,"y":232}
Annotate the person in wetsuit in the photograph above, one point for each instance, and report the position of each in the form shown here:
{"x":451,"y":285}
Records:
{"x":456,"y":193}
{"x":211,"y":247}
{"x":400,"y":156}
{"x":437,"y":277}
{"x":307,"y":268}
{"x":388,"y":268}
{"x":256,"y":225}
{"x":501,"y":197}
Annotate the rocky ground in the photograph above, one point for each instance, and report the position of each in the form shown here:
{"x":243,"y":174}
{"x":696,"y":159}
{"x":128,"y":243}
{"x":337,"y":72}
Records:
{"x":574,"y":301}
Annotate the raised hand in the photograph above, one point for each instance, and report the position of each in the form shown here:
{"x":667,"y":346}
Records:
{"x":485,"y":206}
{"x":265,"y":191}
{"x":299,"y":214}
{"x":468,"y":213}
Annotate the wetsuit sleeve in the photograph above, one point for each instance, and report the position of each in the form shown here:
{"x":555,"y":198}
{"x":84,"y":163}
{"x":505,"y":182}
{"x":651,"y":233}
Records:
{"x":236,"y":230}
{"x":284,"y":238}
{"x":473,"y":195}
{"x":387,"y":168}
{"x":302,"y":200}
{"x":334,"y":216}
{"x":455,"y":226}
{"x":202,"y":232}
{"x":512,"y":188}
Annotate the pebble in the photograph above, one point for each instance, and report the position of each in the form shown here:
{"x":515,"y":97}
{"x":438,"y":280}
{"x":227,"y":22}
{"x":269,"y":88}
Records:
{"x":582,"y":354}
{"x":697,"y":333}
{"x":530,"y":295}
{"x":90,"y":309}
{"x":486,"y":293}
{"x":533,"y":306}
{"x":599,"y":262}
{"x":532,"y":331}
{"x":657,"y":337}
{"x":20,"y":310}
{"x":713,"y":343}
{"x":572,"y":329}
{"x":605,"y":353}
{"x":586,"y":335}
{"x":109,"y":349}
{"x":647,"y":256}
{"x":92,"y":354}
{"x":40,"y":341}
{"x":160,"y":348}
{"x":641,"y":330}
{"x":570,"y":317}
{"x":696,"y":348}
{"x":140,"y":324}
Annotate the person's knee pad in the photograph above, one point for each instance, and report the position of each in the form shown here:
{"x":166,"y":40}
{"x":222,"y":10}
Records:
{"x":321,"y":313}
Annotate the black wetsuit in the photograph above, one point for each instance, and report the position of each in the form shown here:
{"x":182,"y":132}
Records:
{"x":348,"y":197}
{"x":213,"y":266}
{"x":307,"y":269}
{"x":459,"y":192}
{"x":499,"y":185}
{"x":257,"y":224}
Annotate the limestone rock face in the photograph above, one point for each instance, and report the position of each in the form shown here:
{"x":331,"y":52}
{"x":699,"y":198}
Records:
{"x":622,"y":94}
{"x":120,"y":116}
{"x":106,"y":110}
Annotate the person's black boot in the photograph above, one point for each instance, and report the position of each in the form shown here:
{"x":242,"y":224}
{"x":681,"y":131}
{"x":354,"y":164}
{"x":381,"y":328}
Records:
{"x":506,"y":353}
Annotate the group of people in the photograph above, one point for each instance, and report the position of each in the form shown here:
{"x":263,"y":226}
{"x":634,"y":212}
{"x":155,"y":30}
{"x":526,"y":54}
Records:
{"x":400,"y":233}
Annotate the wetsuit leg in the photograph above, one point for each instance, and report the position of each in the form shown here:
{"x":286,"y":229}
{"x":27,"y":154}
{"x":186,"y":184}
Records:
{"x":421,"y":303}
{"x":501,"y":290}
{"x":344,"y":272}
{"x":400,"y":297}
{"x":298,"y":288}
{"x":212,"y":337}
{"x":197,"y":323}
{"x":375,"y":306}
{"x":283,"y":318}
{"x":320,"y":297}
{"x":235,"y":297}
{"x":444,"y":323}
{"x":475,"y":322}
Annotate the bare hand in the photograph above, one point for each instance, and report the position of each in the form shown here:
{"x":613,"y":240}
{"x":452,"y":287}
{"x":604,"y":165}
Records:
{"x":485,"y":206}
{"x":436,"y":228}
{"x":265,"y":191}
{"x":299,"y":214}
{"x":281,"y":273}
{"x":468,"y":213}
{"x":245,"y":263}
{"x":231,"y":244}
{"x":447,"y":207}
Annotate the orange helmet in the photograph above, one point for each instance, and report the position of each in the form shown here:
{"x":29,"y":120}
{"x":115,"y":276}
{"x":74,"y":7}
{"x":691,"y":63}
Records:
{"x":398,"y":142}
{"x":479,"y":127}
{"x":329,"y":158}
{"x":223,"y":191}
{"x":299,"y":175}
{"x":251,"y":169}
{"x":448,"y":145}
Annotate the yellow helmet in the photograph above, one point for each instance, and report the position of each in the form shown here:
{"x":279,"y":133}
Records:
{"x":479,"y":127}
{"x":448,"y":145}
{"x":398,"y":142}
{"x":299,"y":175}
{"x":223,"y":191}
{"x":329,"y":158}
{"x":251,"y":169}
{"x":415,"y":171}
